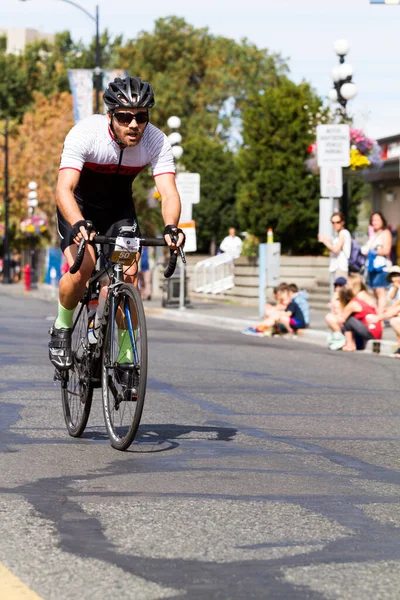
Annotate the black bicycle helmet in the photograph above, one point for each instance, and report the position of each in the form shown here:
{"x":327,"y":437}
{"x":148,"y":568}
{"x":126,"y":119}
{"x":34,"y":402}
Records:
{"x":130,"y":92}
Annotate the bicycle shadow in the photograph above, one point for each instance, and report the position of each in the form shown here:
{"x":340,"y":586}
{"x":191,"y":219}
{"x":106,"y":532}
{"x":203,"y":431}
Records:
{"x":153,"y":438}
{"x":165,"y":437}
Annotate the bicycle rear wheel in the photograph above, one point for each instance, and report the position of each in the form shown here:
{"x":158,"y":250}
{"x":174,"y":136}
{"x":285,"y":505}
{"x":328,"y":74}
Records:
{"x":76,"y":388}
{"x":124,"y":370}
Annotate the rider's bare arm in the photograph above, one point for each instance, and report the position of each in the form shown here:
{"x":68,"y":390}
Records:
{"x":171,"y":203}
{"x":67,"y":181}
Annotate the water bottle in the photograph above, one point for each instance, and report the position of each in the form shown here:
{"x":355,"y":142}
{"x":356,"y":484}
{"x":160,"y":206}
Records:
{"x":100,"y":309}
{"x":93,"y":304}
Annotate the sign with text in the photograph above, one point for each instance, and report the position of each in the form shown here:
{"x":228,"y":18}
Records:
{"x":333,"y":145}
{"x":331,"y":180}
{"x":188,"y":185}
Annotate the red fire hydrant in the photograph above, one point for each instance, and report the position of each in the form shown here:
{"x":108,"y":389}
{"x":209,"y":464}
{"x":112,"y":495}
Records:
{"x":27,"y":277}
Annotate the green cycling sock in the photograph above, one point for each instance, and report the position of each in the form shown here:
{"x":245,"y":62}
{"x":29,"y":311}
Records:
{"x":65,"y":317}
{"x":125,"y":354}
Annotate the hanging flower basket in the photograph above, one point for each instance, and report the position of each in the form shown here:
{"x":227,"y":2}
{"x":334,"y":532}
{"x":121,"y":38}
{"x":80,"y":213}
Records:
{"x":34,"y":225}
{"x":365,"y":153}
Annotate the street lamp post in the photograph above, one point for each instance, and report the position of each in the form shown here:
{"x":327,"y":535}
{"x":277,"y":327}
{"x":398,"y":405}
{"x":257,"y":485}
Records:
{"x":6,"y":254}
{"x":32,"y":203}
{"x":343,"y":90}
{"x":97,"y":69}
{"x":175,"y":139}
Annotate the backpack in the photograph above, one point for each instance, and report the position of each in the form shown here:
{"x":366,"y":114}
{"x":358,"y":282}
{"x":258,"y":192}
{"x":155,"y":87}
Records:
{"x":301,"y":299}
{"x":357,"y":259}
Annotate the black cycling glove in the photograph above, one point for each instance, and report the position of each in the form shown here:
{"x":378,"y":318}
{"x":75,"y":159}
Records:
{"x":173,"y":231}
{"x":88,"y":225}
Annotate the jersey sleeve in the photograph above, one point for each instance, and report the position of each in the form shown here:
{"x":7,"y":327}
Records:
{"x":160,"y":151}
{"x":76,"y":148}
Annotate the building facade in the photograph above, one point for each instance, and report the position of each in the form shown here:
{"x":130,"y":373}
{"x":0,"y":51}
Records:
{"x":19,"y":37}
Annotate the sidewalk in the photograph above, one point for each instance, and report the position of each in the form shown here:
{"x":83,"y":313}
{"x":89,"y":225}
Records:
{"x":224,"y":315}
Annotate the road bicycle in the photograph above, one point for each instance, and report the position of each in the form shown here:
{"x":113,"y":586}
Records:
{"x":110,"y":350}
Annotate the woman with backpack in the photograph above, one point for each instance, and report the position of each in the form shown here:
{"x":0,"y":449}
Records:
{"x":378,"y":250}
{"x":339,"y":246}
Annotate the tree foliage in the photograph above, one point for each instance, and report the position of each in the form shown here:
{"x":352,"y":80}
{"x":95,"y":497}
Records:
{"x":275,"y":189}
{"x":215,"y":85}
{"x":194,"y":73}
{"x":34,"y":155}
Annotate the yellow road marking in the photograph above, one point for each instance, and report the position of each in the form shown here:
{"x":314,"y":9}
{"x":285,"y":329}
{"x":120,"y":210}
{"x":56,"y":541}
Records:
{"x":11,"y":588}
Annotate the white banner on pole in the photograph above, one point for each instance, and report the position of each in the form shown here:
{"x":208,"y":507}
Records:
{"x":331,"y":180}
{"x":110,"y":75}
{"x":81,"y":83}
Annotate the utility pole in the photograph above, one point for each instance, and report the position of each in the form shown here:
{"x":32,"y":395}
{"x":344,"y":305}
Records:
{"x":6,"y":257}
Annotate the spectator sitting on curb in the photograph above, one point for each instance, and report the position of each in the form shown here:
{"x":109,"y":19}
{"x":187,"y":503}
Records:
{"x":391,"y":312}
{"x":335,"y":306}
{"x":301,"y":298}
{"x":393,"y":277}
{"x":287,"y":318}
{"x":358,"y":306}
{"x":271,"y":311}
{"x":336,"y":339}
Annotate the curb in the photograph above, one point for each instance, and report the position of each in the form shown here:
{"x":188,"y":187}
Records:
{"x":311,"y":336}
{"x":190,"y":315}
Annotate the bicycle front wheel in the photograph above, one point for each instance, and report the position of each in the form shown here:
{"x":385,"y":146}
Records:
{"x":124,"y":366}
{"x":77,"y":390}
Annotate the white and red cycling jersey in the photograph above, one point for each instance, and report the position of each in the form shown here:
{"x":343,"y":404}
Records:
{"x":108,"y":169}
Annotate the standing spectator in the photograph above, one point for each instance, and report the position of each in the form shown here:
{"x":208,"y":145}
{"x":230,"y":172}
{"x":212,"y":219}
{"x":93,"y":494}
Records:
{"x":356,"y":321}
{"x":16,"y":261}
{"x":145,"y":275}
{"x":339,"y":246}
{"x":232,"y":244}
{"x":378,"y":251}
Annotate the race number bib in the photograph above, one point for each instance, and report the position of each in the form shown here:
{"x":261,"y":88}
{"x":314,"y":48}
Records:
{"x":125,"y":250}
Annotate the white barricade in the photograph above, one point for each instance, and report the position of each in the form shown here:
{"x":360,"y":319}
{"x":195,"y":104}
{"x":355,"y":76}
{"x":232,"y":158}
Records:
{"x":214,"y":275}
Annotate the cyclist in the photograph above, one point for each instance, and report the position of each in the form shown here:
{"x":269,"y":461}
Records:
{"x":101,"y":157}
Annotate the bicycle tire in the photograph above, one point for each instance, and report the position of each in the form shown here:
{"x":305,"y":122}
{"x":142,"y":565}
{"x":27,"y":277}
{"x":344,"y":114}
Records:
{"x":122,"y":414}
{"x":78,"y":391}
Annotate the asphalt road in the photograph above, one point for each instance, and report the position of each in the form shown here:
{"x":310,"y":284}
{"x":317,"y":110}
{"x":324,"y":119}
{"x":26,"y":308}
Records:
{"x":263,"y":469}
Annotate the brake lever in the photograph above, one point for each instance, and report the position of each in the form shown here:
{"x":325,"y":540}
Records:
{"x":174,"y":238}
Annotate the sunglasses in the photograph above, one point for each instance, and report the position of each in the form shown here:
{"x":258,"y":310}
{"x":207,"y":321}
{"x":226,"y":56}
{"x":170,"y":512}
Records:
{"x":335,"y":222}
{"x":125,"y":118}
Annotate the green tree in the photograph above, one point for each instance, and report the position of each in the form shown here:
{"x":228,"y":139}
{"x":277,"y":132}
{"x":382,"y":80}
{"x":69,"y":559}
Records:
{"x":218,"y":178}
{"x":275,"y":189}
{"x":194,"y":73}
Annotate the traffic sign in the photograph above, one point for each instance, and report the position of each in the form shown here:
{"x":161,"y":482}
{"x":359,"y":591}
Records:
{"x":331,"y":181}
{"x":188,"y":185}
{"x":333,"y":145}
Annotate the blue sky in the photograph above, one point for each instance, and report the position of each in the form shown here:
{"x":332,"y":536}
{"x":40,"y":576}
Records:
{"x":303,"y":31}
